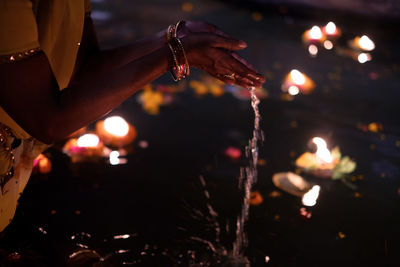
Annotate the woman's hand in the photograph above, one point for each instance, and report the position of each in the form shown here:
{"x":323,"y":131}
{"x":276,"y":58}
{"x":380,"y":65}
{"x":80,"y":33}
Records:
{"x":210,"y":49}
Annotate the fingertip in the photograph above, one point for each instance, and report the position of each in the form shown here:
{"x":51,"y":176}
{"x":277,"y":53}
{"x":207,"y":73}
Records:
{"x":242,"y":44}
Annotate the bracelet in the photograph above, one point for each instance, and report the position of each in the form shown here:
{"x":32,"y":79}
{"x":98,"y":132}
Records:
{"x":180,"y":66}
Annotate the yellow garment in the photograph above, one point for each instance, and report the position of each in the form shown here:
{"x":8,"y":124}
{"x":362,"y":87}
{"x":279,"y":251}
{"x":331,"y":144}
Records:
{"x":55,"y":26}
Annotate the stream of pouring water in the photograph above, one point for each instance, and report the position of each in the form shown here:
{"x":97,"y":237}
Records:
{"x":248,"y":177}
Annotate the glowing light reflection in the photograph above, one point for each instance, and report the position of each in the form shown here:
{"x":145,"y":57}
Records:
{"x":313,"y":50}
{"x":328,"y":45}
{"x":364,"y":57}
{"x":88,"y":140}
{"x":293,"y":90}
{"x":114,"y":158}
{"x":116,"y":125}
{"x":310,"y":198}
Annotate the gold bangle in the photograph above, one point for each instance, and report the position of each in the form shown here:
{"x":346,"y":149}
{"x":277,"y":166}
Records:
{"x":178,"y":25}
{"x":180,"y":67}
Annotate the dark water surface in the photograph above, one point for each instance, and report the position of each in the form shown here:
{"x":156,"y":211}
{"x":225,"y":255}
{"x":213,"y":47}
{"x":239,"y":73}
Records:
{"x":153,"y":197}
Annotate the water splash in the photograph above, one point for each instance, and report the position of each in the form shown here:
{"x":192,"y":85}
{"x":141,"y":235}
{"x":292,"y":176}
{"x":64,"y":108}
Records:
{"x":248,"y":177}
{"x":194,"y":251}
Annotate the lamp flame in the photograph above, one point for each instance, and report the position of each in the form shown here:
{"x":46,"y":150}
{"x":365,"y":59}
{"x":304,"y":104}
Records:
{"x":323,"y":152}
{"x":116,"y":126}
{"x":310,"y":198}
{"x":330,"y":28}
{"x":315,"y":33}
{"x":297,"y":77}
{"x":88,"y":140}
{"x":366,"y":44}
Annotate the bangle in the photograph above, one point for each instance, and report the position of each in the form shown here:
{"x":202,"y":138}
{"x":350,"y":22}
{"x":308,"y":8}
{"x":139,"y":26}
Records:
{"x":180,"y":66}
{"x":178,"y":26}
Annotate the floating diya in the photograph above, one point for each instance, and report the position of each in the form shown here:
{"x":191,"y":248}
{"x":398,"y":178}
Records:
{"x":325,"y":163}
{"x":314,"y":35}
{"x":363,"y":43}
{"x":115,"y":131}
{"x":296,"y":82}
{"x":87,"y":146}
{"x":320,"y":163}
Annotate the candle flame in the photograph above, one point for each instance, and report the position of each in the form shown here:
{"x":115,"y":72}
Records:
{"x":364,"y":57}
{"x":366,"y":44}
{"x":323,"y":152}
{"x":88,"y":140}
{"x":297,"y":77}
{"x":315,"y":33}
{"x":330,"y":28}
{"x":310,"y":198}
{"x":116,"y":126}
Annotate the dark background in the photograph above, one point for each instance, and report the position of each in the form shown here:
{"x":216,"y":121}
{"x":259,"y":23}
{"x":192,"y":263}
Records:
{"x":146,"y":196}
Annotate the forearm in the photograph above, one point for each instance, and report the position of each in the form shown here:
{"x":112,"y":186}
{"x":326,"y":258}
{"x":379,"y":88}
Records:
{"x":96,"y":62}
{"x":91,"y":99}
{"x":49,"y":115}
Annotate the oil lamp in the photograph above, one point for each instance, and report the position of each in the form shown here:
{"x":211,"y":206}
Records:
{"x":321,"y":163}
{"x":87,"y":146}
{"x":363,"y":43}
{"x":115,"y":131}
{"x":296,"y":82}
